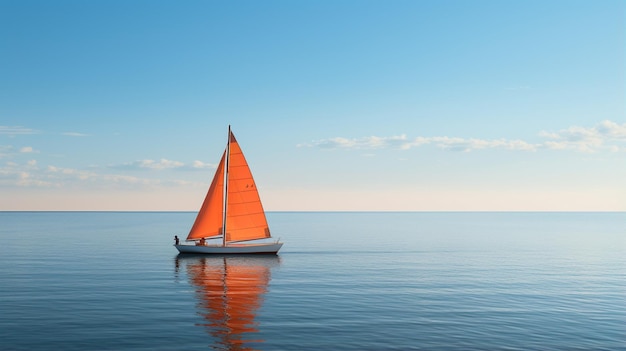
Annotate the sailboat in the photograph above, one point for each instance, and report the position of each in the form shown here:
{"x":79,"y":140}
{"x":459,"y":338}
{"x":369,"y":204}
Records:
{"x":232,"y":211}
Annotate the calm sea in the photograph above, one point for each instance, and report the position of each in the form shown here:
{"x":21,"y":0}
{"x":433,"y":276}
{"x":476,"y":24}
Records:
{"x":343,"y":281}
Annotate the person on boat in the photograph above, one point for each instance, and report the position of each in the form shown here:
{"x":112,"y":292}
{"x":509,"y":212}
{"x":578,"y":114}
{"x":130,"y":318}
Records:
{"x":176,"y":240}
{"x":202,"y":242}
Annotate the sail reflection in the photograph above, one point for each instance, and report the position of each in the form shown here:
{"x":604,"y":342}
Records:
{"x":230,"y":291}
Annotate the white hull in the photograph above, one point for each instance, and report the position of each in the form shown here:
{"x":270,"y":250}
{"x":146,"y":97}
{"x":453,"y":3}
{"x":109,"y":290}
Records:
{"x":267,"y":248}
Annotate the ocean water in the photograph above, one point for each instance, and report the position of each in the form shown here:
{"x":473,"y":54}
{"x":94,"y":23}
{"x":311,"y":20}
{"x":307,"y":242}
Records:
{"x":343,"y":281}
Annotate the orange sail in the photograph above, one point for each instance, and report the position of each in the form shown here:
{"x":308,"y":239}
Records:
{"x":244,"y":214}
{"x":209,"y":220}
{"x":245,"y":218}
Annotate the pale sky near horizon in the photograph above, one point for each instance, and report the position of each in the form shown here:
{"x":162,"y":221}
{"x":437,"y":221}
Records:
{"x":447,"y":105}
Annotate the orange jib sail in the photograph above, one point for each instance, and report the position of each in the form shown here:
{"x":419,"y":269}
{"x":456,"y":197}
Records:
{"x":210,"y":217}
{"x":245,"y":217}
{"x":244,"y":214}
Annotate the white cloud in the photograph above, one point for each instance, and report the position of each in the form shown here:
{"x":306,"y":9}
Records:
{"x":163,"y":164}
{"x":29,"y":174}
{"x":26,"y":179}
{"x":604,"y":136}
{"x":370,"y":142}
{"x":466,"y":145}
{"x":403,"y":143}
{"x":419,"y":141}
{"x":75,"y":134}
{"x":57,"y":172}
{"x":202,"y":165}
{"x":10,"y":152}
{"x":151,"y":164}
{"x":16,"y":130}
{"x":28,"y":150}
{"x":612,"y":130}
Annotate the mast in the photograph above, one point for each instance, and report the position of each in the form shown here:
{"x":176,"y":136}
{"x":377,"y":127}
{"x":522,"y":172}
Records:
{"x":226,"y":188}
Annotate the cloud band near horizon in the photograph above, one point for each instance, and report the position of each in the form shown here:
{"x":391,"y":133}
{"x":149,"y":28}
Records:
{"x":606,"y":135}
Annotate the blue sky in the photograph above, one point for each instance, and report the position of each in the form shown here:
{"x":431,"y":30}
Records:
{"x":338,"y":105}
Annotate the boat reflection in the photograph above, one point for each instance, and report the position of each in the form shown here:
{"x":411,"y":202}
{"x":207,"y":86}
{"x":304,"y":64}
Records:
{"x":230,"y":290}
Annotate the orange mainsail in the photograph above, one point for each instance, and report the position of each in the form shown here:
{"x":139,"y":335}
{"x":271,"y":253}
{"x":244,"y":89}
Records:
{"x":244,"y":214}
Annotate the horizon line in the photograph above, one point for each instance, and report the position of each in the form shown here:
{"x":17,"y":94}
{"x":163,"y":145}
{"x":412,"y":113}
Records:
{"x":325,"y":211}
